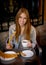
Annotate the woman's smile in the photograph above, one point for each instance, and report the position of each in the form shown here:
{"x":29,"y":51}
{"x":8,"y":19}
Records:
{"x":22,"y":19}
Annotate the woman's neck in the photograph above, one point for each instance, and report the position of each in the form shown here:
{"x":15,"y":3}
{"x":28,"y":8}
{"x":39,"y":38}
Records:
{"x":22,"y":30}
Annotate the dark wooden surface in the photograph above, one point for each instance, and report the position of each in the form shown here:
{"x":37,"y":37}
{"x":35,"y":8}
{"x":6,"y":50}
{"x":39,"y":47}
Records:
{"x":20,"y":61}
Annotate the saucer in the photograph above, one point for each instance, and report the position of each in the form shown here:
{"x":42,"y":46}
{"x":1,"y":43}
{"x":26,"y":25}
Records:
{"x":28,"y":53}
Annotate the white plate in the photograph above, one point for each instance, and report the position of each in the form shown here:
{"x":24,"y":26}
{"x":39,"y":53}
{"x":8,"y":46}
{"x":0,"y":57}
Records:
{"x":8,"y":52}
{"x":28,"y":53}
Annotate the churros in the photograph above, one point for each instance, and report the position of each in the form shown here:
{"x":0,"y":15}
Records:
{"x":10,"y":55}
{"x":1,"y":54}
{"x":23,"y":54}
{"x":4,"y":55}
{"x":11,"y":37}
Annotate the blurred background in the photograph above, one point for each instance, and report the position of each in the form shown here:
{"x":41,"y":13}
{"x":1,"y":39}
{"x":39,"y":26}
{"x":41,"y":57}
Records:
{"x":37,"y":11}
{"x":9,"y":8}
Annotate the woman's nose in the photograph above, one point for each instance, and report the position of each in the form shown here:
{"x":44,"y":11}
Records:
{"x":22,"y":19}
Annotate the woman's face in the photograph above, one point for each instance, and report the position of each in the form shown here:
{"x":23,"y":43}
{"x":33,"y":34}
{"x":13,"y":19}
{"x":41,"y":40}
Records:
{"x":22,"y":19}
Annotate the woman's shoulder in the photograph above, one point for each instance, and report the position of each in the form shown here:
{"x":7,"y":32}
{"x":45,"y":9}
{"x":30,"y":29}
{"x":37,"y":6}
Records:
{"x":33,"y":28}
{"x":12,"y":27}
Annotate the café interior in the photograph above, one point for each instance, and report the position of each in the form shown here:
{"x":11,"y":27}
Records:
{"x":37,"y":12}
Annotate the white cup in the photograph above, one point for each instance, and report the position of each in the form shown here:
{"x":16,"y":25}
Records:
{"x":24,"y":43}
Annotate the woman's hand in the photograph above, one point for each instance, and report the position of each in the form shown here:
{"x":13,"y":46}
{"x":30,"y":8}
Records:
{"x":8,"y":46}
{"x":29,"y":44}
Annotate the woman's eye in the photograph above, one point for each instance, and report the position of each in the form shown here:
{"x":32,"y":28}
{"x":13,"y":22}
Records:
{"x":20,"y":17}
{"x":25,"y":18}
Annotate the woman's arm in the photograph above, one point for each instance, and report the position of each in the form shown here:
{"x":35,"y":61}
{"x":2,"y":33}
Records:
{"x":11,"y":30}
{"x":33,"y":37}
{"x":32,"y":43}
{"x":11,"y":35}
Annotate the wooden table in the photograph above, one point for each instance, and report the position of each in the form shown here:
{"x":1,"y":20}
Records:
{"x":22,"y":61}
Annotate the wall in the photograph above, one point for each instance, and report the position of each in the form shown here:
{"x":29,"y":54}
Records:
{"x":44,"y":10}
{"x":40,"y":8}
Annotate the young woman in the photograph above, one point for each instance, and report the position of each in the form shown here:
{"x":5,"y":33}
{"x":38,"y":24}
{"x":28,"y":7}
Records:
{"x":22,"y":30}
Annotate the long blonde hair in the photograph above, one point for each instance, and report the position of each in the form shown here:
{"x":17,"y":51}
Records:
{"x":27,"y":25}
